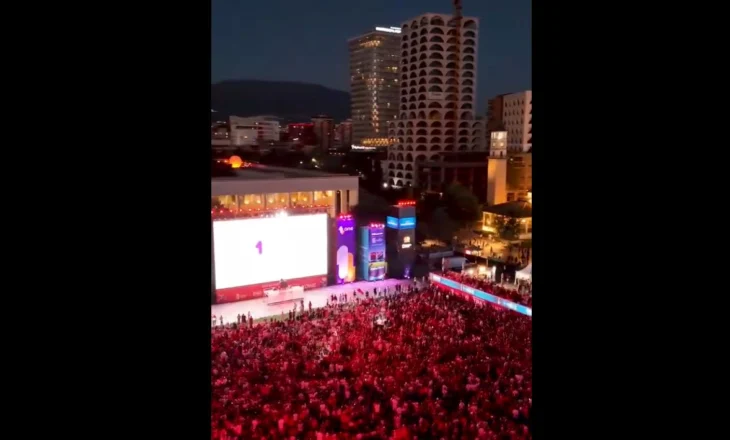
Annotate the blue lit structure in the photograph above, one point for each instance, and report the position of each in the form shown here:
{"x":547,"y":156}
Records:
{"x":445,"y":282}
{"x":372,"y":256}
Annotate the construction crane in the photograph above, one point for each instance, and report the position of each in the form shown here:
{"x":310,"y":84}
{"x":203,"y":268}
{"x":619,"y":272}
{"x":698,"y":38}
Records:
{"x":457,"y":24}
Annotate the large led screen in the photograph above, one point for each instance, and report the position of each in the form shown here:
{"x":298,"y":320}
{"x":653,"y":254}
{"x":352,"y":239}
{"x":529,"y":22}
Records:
{"x":372,"y":252}
{"x":261,"y":250}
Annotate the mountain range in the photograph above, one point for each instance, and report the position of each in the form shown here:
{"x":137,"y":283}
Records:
{"x":291,"y":101}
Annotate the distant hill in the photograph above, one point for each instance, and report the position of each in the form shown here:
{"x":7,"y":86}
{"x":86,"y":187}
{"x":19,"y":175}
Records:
{"x":289,"y":100}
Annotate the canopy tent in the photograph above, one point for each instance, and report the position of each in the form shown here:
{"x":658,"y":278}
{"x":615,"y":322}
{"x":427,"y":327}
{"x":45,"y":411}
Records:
{"x":524,"y":274}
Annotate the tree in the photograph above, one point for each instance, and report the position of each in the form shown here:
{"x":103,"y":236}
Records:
{"x":507,"y":227}
{"x":461,"y":205}
{"x":441,"y":226}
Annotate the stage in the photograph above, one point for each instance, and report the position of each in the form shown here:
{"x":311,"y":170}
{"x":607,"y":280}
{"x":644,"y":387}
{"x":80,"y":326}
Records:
{"x":259,"y":307}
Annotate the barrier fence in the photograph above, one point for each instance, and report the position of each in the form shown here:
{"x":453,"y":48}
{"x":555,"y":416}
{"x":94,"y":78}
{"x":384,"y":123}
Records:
{"x":451,"y":284}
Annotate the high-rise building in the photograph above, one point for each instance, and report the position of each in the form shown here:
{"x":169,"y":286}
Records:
{"x":513,"y":113}
{"x":324,"y":129}
{"x":374,"y":81}
{"x":437,"y":95}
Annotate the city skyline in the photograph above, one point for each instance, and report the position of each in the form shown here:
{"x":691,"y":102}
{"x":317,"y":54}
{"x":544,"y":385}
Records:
{"x":311,"y":45}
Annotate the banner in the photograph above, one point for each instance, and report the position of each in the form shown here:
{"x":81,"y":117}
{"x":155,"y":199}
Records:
{"x":476,"y":293}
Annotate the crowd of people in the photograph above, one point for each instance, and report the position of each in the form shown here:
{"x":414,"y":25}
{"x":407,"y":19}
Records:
{"x":421,"y":363}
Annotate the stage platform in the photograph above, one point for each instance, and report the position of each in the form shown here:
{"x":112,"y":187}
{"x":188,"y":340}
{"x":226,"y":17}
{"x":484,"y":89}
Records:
{"x":259,"y":307}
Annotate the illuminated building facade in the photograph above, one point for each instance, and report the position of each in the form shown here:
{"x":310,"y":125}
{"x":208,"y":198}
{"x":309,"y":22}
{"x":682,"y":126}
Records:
{"x":497,"y":169}
{"x":517,"y":215}
{"x":437,"y":95}
{"x":513,"y":113}
{"x":519,"y":176}
{"x":256,"y":190}
{"x":374,"y":85}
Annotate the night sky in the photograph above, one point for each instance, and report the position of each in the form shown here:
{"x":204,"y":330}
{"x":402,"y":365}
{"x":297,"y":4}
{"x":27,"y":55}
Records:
{"x":306,"y":41}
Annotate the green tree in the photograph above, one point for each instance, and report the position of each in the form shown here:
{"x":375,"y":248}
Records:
{"x":461,"y":205}
{"x":508,"y":228}
{"x":441,"y":226}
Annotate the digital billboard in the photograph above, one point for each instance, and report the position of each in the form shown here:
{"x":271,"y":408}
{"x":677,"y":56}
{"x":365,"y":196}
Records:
{"x":346,"y":249}
{"x":372,"y":252}
{"x":251,"y":255}
{"x":401,"y":223}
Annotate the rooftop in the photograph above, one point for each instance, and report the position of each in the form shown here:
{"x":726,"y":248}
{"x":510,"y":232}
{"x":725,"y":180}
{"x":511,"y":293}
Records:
{"x":258,"y":179}
{"x":254,"y":172}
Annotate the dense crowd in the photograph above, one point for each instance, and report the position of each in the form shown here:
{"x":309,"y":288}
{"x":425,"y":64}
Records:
{"x":521,"y":295}
{"x":423,"y":364}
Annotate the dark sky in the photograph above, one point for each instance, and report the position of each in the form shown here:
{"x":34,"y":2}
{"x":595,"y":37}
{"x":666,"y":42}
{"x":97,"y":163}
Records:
{"x":306,"y":41}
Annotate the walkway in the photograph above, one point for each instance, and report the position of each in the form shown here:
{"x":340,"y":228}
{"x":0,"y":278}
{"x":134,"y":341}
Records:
{"x":319,"y":297}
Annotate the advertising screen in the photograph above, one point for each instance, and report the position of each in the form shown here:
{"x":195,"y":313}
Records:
{"x":407,"y":223}
{"x":373,"y":265}
{"x":377,"y":238}
{"x":346,"y":250}
{"x":260,"y":250}
{"x":401,"y":223}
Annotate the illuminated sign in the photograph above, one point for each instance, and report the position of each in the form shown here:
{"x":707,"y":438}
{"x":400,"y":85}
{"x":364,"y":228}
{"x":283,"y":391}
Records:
{"x":376,"y":237}
{"x":346,"y":250}
{"x":401,"y":223}
{"x":407,"y":223}
{"x":392,"y":29}
{"x":406,"y":242}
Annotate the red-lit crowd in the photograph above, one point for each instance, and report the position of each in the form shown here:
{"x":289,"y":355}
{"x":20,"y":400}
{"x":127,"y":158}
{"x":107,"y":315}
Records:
{"x":420,"y":364}
{"x":521,"y":295}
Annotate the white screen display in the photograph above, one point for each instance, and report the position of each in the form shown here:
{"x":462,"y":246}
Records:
{"x":260,"y":250}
